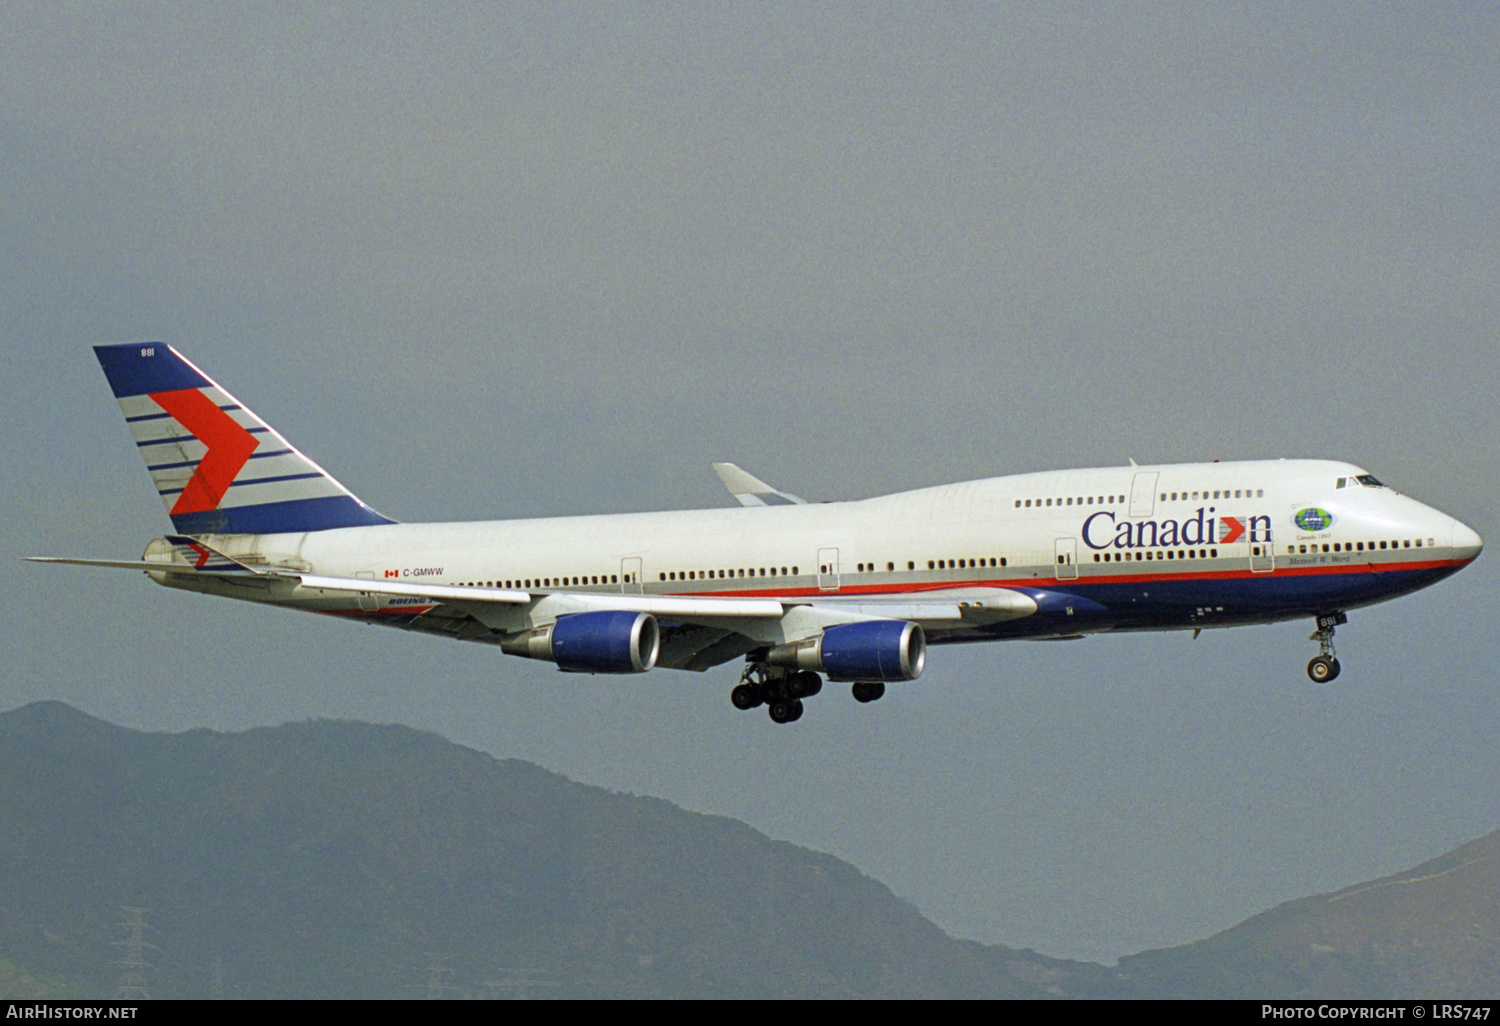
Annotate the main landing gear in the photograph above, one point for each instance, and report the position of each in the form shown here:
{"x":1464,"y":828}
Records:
{"x":782,"y":690}
{"x":1324,"y":666}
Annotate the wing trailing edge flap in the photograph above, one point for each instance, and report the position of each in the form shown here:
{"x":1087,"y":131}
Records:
{"x":963,"y":605}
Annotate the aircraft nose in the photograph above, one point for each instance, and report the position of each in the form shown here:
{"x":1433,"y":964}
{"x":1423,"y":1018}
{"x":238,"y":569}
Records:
{"x":1466,"y":542}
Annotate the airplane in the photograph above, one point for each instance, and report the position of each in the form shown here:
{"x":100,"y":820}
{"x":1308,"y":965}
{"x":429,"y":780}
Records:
{"x":852,"y":591}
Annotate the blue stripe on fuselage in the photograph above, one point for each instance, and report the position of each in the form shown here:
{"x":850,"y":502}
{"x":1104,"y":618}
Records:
{"x":1088,"y":606}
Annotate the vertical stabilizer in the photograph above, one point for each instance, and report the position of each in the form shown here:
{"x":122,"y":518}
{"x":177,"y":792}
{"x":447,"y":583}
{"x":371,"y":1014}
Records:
{"x":218,"y":467}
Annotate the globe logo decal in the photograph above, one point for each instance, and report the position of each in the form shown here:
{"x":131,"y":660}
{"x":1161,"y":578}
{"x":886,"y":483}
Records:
{"x":1313,"y":519}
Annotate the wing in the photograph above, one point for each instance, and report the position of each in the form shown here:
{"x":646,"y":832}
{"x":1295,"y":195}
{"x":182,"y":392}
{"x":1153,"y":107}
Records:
{"x":751,"y":490}
{"x":696,"y":633}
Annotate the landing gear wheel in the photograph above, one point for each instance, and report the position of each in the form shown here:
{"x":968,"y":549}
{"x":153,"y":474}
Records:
{"x":1322,"y":669}
{"x":805,"y":684}
{"x":786,"y":711}
{"x":1325,"y":665}
{"x":745,"y":696}
{"x":868,"y":691}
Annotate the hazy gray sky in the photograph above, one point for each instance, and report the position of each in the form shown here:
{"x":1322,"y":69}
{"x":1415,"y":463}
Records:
{"x":546,"y":260}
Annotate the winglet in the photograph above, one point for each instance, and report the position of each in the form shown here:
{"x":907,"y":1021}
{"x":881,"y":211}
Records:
{"x":751,"y":490}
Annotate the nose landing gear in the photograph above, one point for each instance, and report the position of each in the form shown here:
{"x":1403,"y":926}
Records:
{"x":1324,"y":666}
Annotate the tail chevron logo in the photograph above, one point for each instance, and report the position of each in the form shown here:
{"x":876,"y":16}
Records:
{"x":229,"y":447}
{"x":247,"y":480}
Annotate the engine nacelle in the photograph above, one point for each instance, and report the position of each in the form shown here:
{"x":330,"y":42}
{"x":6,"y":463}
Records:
{"x":618,"y":641}
{"x":884,"y":650}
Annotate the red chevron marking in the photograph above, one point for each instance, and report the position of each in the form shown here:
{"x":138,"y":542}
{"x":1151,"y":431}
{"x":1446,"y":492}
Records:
{"x":229,"y":447}
{"x":1236,"y":528}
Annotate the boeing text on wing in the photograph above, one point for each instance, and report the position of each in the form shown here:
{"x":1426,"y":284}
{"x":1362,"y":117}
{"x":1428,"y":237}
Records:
{"x":853,"y":592}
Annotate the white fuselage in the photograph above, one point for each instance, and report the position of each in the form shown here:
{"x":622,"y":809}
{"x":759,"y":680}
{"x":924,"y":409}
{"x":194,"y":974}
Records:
{"x":1120,"y":548}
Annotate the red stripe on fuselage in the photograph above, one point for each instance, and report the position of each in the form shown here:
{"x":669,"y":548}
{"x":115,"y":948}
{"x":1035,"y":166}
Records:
{"x":1082,"y":579}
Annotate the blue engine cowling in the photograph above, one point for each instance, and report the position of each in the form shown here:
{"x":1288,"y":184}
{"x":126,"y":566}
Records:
{"x":616,"y":641}
{"x":870,"y":650}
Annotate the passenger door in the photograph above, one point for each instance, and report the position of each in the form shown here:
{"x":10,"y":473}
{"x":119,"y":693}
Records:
{"x":1067,"y":559}
{"x":828,"y":569}
{"x":630,"y":575}
{"x":1143,"y":495}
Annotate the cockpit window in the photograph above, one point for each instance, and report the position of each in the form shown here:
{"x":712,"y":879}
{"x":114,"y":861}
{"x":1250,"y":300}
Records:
{"x":1342,"y":482}
{"x":1369,"y":481}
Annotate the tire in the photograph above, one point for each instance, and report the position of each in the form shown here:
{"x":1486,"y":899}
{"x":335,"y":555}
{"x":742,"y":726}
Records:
{"x":744,"y":696}
{"x":1322,"y":670}
{"x":805,"y":684}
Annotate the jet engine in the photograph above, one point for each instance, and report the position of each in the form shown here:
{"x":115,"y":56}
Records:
{"x":884,"y":650}
{"x":604,"y":642}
